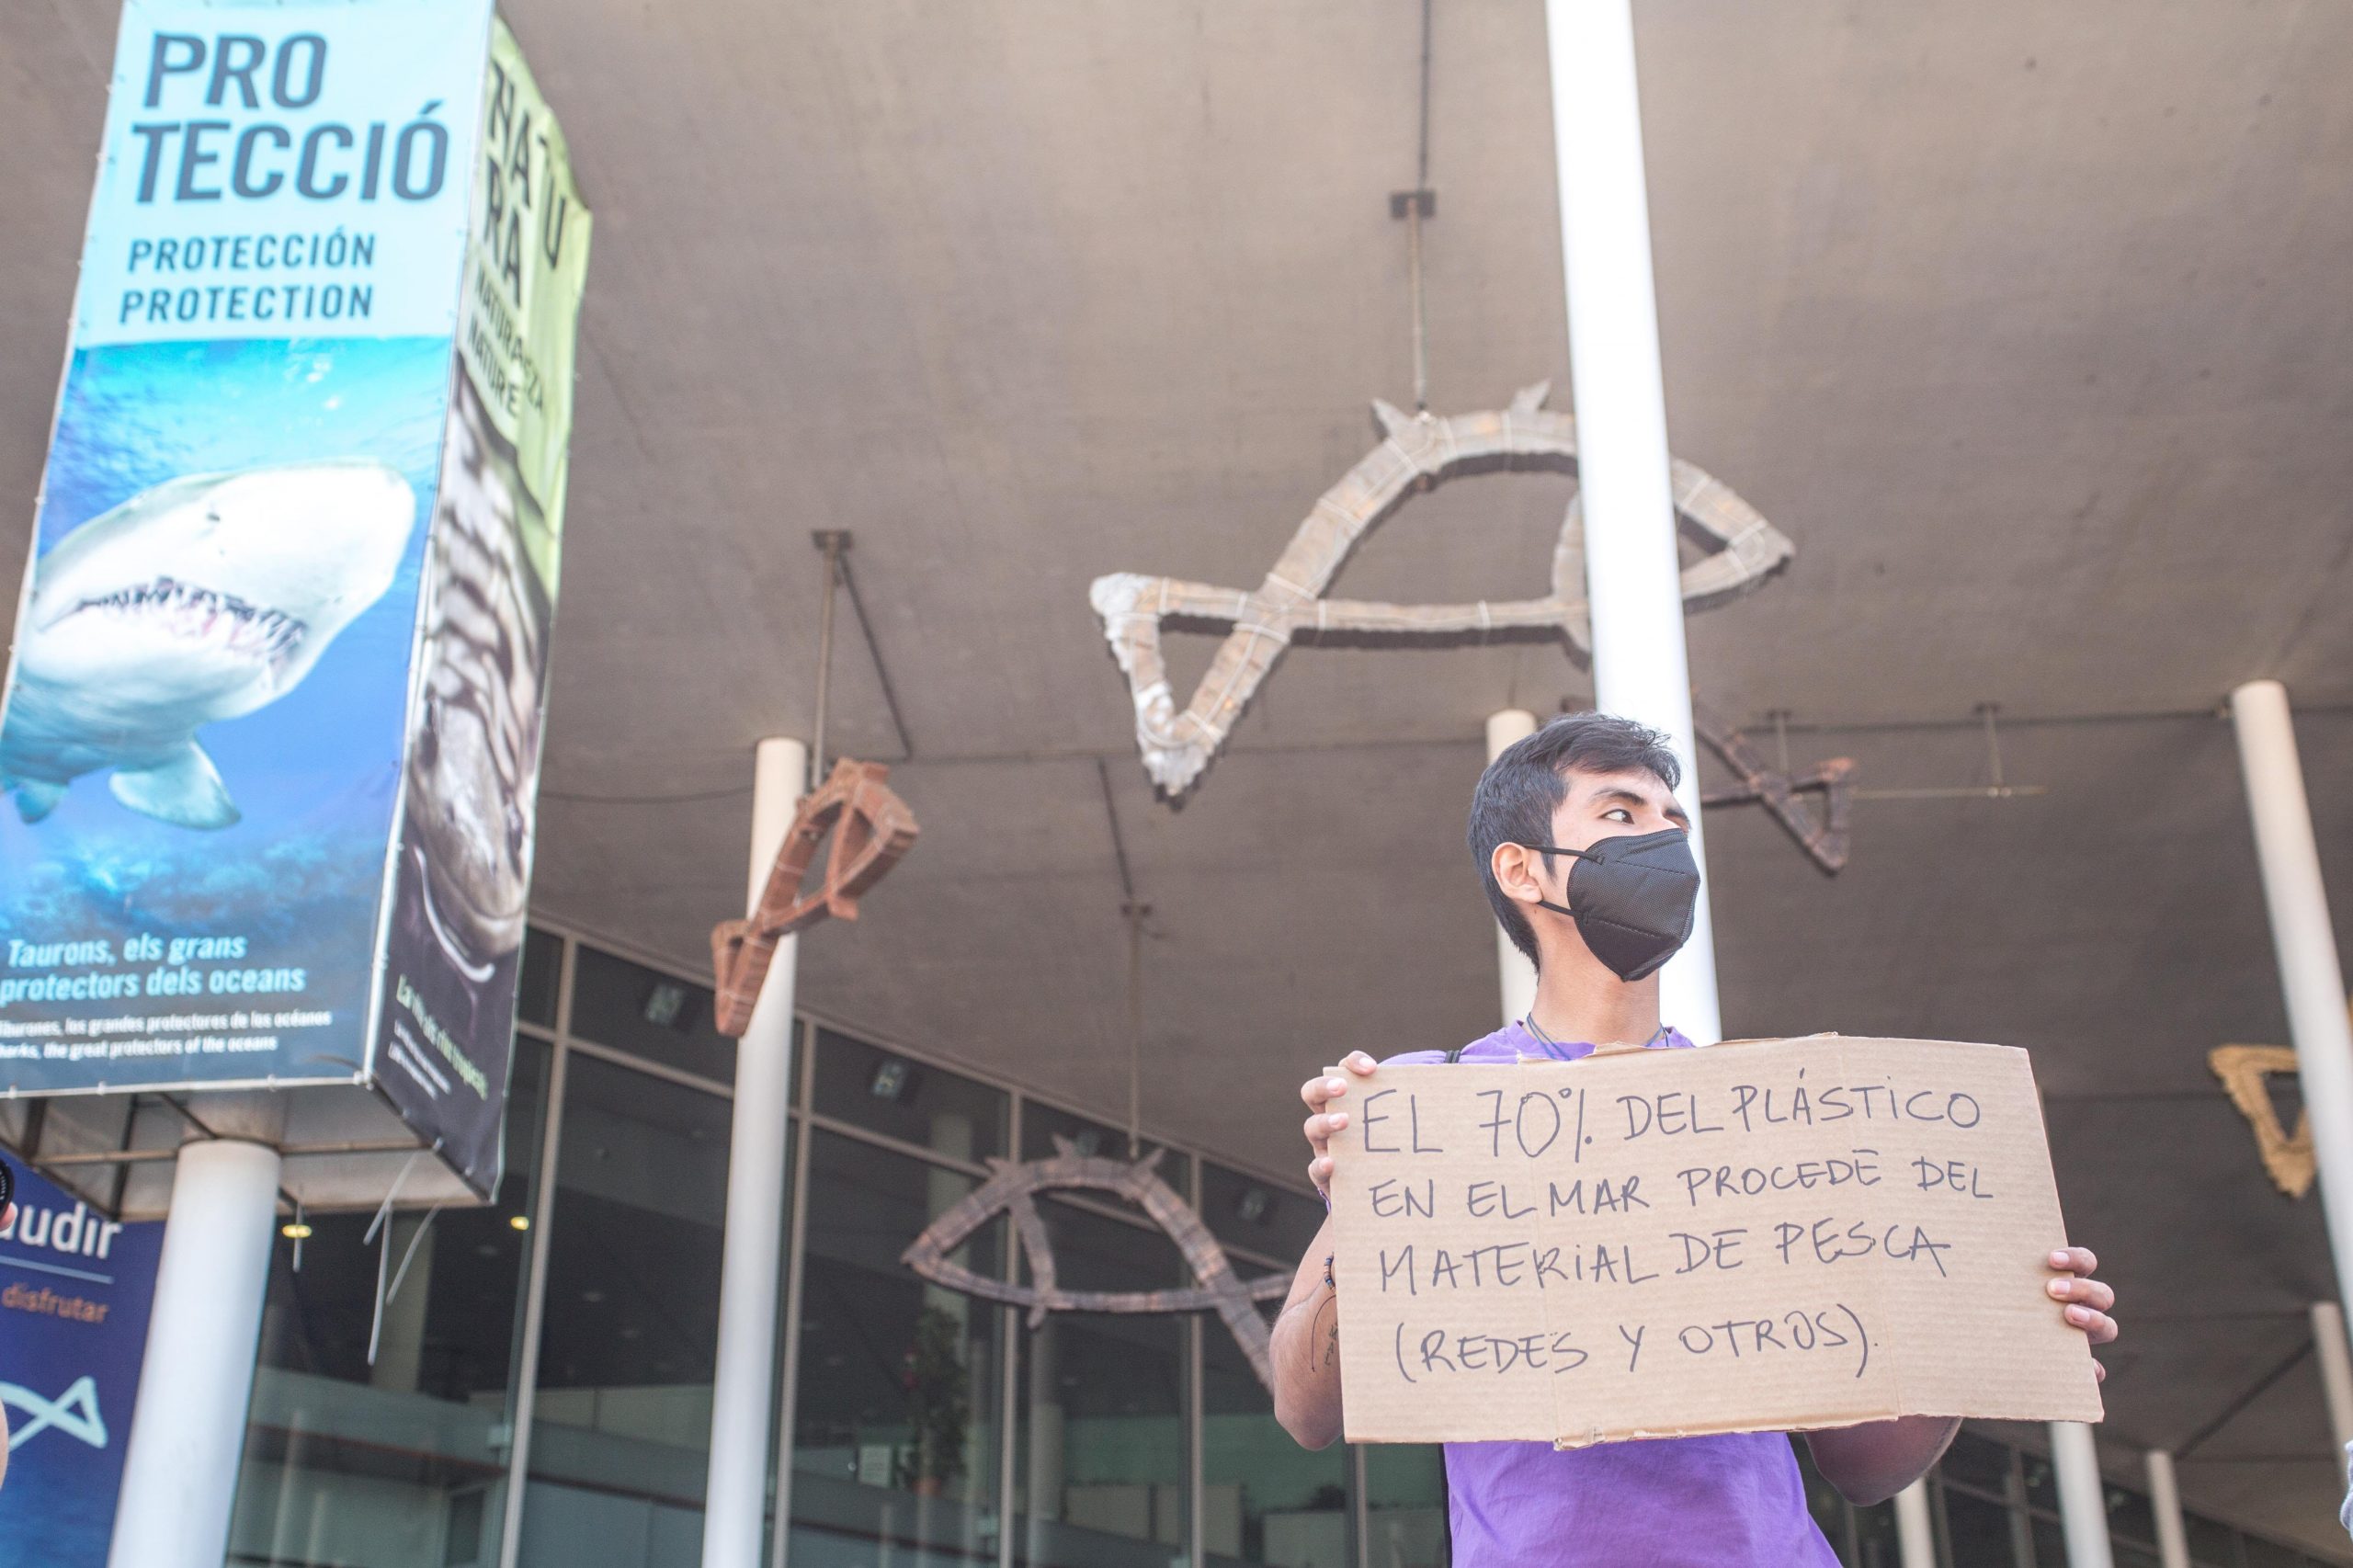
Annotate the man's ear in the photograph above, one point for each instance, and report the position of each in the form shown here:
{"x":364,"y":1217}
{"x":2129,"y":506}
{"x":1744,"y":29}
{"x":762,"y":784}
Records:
{"x":1517,"y":870}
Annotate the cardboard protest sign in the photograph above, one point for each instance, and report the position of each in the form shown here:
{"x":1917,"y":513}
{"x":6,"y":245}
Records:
{"x":1759,"y":1236}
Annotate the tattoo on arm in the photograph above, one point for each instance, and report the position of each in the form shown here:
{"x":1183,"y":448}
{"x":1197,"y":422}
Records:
{"x":1324,"y":1331}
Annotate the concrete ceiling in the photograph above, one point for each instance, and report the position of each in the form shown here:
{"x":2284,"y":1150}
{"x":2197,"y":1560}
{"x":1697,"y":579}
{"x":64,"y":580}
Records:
{"x":2028,"y":324}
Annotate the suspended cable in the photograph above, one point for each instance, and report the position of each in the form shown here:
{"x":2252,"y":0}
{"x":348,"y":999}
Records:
{"x":832,"y":541}
{"x":1133,"y":911}
{"x":1413,"y":206}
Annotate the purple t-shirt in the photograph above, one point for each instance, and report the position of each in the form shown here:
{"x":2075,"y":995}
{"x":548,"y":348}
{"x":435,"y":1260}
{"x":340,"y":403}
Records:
{"x":1733,"y":1501}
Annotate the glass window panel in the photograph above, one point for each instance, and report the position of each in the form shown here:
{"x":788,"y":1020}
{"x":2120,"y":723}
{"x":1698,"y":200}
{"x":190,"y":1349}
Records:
{"x":1979,"y":1531}
{"x":1875,"y":1539}
{"x":1977,"y":1462}
{"x":542,"y":977}
{"x":400,"y":1464}
{"x":902,"y":1098}
{"x":2129,"y":1556}
{"x":2041,"y":1482}
{"x":2212,"y":1545}
{"x":1102,"y":1443}
{"x":1264,"y":1498}
{"x":2262,"y":1553}
{"x":1404,"y":1487}
{"x":2050,"y":1544}
{"x":631,"y":1322}
{"x":648,"y":1014}
{"x":1246,"y":1211}
{"x":1041,"y":1124}
{"x":2129,"y":1516}
{"x":896,"y":1433}
{"x":1831,"y":1515}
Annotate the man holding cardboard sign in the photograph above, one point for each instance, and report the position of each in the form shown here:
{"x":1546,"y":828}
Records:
{"x":1543,"y":1263}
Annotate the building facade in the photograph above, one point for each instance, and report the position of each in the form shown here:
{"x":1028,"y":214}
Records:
{"x":528,"y":1384}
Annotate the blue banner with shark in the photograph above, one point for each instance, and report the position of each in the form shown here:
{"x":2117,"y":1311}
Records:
{"x":74,"y":1291}
{"x":217,"y":650}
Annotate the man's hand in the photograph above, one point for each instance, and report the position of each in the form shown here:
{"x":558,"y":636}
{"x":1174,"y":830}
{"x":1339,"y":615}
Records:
{"x":1306,"y":1340}
{"x":1872,"y":1463}
{"x":2088,"y":1301}
{"x":1319,"y":1093}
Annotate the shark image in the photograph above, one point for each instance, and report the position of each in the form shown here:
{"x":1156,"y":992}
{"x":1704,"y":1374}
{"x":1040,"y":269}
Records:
{"x":201,"y":599}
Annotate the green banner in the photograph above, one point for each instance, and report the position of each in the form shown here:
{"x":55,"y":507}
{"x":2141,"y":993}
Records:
{"x":462,"y":876}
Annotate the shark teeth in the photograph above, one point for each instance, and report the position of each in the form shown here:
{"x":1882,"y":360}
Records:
{"x":187,"y":611}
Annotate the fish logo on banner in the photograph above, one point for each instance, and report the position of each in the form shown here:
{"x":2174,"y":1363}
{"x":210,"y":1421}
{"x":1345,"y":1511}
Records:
{"x":74,"y":1412}
{"x":74,"y":1292}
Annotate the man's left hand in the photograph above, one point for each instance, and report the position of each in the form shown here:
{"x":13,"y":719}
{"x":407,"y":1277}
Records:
{"x":2088,"y":1302}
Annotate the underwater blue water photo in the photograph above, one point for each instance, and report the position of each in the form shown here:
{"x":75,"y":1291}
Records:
{"x":310,"y":775}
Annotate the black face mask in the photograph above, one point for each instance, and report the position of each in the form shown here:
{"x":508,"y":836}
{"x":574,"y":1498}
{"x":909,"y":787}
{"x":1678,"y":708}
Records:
{"x":1632,"y":898}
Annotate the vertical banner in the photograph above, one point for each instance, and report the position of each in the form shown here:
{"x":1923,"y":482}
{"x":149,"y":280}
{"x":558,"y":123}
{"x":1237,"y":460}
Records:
{"x":464,"y":866}
{"x":204,"y":715}
{"x":75,"y":1290}
{"x":269,"y":735}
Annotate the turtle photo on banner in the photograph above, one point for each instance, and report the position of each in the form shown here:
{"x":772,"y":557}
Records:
{"x":462,"y":874}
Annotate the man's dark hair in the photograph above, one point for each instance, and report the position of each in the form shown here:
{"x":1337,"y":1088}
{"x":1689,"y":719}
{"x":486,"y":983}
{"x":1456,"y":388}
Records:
{"x":1521,"y":788}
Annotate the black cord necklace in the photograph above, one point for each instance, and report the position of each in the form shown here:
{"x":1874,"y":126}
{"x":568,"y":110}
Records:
{"x":1533,"y":1027}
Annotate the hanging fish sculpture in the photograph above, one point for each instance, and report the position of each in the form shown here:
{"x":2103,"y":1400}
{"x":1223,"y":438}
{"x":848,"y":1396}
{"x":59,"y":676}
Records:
{"x":1833,"y":779}
{"x":1741,"y":551}
{"x":872,"y":828}
{"x":1012,"y":1190}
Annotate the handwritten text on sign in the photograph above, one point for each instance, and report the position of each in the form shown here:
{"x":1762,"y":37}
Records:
{"x":1766,"y":1235}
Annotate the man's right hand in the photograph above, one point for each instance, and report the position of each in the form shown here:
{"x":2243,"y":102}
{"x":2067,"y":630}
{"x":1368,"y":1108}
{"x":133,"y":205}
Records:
{"x":1322,"y":1122}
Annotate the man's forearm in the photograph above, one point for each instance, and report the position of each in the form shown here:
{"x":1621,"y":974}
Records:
{"x":1874,"y":1461}
{"x":1306,"y":1352}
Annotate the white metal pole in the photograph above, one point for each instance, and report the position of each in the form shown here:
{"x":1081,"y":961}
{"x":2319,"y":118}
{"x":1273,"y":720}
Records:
{"x":796,"y":1286}
{"x":1916,"y":1537}
{"x":2165,"y":1501}
{"x":736,"y":1494}
{"x":2335,"y":1374}
{"x":535,"y":1289}
{"x":2082,"y":1497}
{"x":1517,"y":975}
{"x":188,"y":1432}
{"x":1633,"y":575}
{"x":2306,"y":946}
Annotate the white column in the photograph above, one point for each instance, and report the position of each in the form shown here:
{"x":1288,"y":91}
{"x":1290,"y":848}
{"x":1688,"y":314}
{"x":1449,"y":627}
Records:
{"x":188,"y":1433}
{"x":1916,"y":1536}
{"x":1633,"y":575}
{"x":1047,"y":1436}
{"x":743,"y":1381}
{"x":2083,"y":1500}
{"x":1516,"y":973}
{"x":2306,"y":946}
{"x":2164,"y":1502}
{"x":2335,"y":1374}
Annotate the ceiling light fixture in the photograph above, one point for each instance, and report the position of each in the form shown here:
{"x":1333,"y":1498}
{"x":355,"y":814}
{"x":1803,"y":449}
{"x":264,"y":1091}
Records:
{"x":670,"y":1003}
{"x":894,"y":1081}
